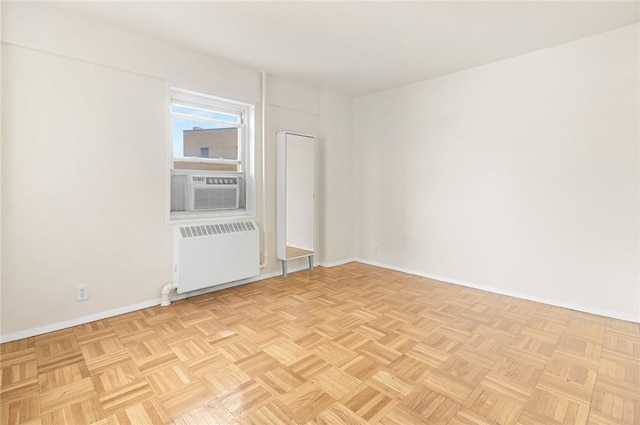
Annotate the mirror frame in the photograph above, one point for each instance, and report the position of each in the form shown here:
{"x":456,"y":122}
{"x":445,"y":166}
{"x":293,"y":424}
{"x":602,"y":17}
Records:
{"x":284,"y":252}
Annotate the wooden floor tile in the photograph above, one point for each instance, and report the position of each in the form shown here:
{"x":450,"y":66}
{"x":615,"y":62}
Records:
{"x":579,"y":345}
{"x":401,"y":415}
{"x":124,"y":396}
{"x":494,"y":405}
{"x":68,"y":394}
{"x":18,"y":371}
{"x":339,"y":414}
{"x":336,"y":382}
{"x":269,"y":414}
{"x":169,"y":379}
{"x":212,"y":413}
{"x":354,"y":344}
{"x":185,"y":398}
{"x":306,"y":402}
{"x":369,"y":403}
{"x":410,"y":368}
{"x":257,"y":364}
{"x":463,"y":370}
{"x":285,"y":351}
{"x":448,"y":386}
{"x":334,"y":353}
{"x":619,"y":368}
{"x":84,"y":411}
{"x":391,"y":383}
{"x":147,"y":412}
{"x":55,"y":343}
{"x":430,"y":356}
{"x":221,"y":380}
{"x":17,"y":345}
{"x":310,"y":366}
{"x":507,"y":387}
{"x":118,"y":375}
{"x":245,"y":398}
{"x":63,"y":376}
{"x":613,"y":407}
{"x":361,"y":367}
{"x":22,"y":410}
{"x":553,"y":406}
{"x":565,"y":389}
{"x":280,"y":381}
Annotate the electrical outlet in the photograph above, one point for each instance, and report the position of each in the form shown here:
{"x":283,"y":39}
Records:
{"x":376,"y":249}
{"x":82,"y":292}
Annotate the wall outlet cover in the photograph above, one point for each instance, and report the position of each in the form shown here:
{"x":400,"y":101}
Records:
{"x":82,"y":292}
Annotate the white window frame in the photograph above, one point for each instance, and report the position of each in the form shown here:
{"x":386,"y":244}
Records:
{"x":188,"y":98}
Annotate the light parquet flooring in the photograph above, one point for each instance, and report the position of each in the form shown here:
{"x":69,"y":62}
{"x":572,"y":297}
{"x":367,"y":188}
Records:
{"x":354,"y":344}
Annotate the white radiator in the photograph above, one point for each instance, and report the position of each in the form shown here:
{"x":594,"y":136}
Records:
{"x":212,"y":254}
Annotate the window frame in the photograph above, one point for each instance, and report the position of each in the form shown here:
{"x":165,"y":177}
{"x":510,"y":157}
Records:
{"x":246,"y":147}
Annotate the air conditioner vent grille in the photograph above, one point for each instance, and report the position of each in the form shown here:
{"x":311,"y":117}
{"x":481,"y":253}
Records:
{"x":215,"y":198}
{"x":216,"y":229}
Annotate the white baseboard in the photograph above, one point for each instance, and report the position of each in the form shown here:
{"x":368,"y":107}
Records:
{"x":338,"y":262}
{"x":78,"y":321}
{"x":151,"y":303}
{"x":577,"y":307}
{"x":139,"y":306}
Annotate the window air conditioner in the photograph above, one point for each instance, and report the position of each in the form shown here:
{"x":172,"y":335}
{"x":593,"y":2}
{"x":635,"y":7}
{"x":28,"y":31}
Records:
{"x":214,"y":192}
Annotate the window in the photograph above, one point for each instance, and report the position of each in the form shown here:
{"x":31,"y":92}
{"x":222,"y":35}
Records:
{"x":211,"y":165}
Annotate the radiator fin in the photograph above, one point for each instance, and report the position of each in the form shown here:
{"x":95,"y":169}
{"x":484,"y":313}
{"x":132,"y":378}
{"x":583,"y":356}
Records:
{"x":216,"y":229}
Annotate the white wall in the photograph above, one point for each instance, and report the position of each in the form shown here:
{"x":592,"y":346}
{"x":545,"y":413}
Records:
{"x":520,"y":176}
{"x":1,"y":172}
{"x":83,"y":188}
{"x":296,"y":108}
{"x":329,"y":116}
{"x":42,"y":28}
{"x":336,"y":177}
{"x":84,"y":127}
{"x":84,"y":164}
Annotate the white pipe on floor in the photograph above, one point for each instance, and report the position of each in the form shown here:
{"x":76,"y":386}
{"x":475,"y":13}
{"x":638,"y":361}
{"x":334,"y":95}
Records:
{"x":263,"y":137}
{"x":166,"y":290}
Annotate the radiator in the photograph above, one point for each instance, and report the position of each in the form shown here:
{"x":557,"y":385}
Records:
{"x":212,"y":254}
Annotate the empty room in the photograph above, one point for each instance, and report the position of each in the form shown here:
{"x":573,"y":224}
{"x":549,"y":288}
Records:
{"x":320,"y":213}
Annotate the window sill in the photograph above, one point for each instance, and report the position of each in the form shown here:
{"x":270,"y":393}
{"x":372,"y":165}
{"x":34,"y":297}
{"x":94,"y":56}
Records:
{"x":198,"y":216}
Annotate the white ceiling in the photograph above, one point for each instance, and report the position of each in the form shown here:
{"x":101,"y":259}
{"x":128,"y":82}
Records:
{"x":361,"y":47}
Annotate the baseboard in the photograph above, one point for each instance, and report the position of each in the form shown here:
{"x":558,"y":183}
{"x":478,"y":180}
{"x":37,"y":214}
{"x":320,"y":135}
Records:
{"x":151,"y":303}
{"x":128,"y":309}
{"x":338,"y":262}
{"x":528,"y":297}
{"x":78,"y":321}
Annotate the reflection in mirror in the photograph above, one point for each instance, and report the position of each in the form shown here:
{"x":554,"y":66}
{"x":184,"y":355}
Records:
{"x":295,"y":198}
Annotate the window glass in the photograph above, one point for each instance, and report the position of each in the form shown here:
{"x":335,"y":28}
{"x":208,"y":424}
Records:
{"x":209,"y":139}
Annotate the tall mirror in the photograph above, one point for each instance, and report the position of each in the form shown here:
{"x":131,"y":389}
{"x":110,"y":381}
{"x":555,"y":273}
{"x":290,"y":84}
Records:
{"x":295,"y":211}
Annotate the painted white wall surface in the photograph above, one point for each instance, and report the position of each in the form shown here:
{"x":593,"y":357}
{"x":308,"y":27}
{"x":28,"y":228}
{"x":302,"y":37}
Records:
{"x":1,"y":172}
{"x":43,"y":28}
{"x":520,"y":176}
{"x":291,"y":107}
{"x":336,"y":156}
{"x":329,"y":116}
{"x":84,"y":157}
{"x":294,"y":96}
{"x":83,"y":188}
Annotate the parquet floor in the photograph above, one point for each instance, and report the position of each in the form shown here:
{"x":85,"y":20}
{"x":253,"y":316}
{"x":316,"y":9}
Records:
{"x":354,"y":344}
